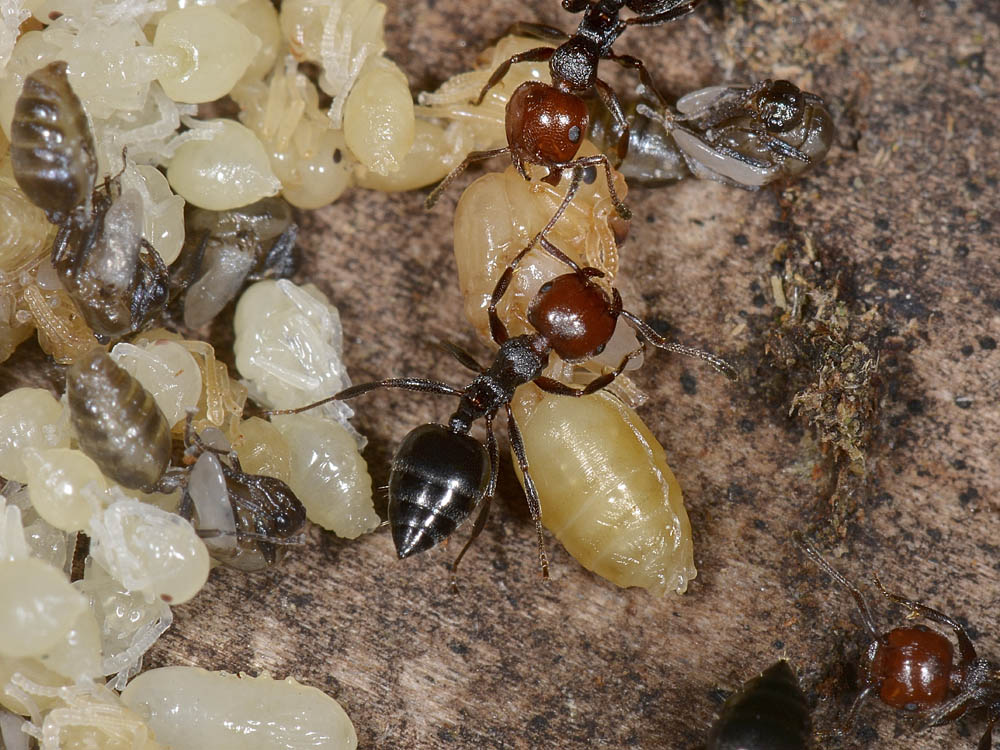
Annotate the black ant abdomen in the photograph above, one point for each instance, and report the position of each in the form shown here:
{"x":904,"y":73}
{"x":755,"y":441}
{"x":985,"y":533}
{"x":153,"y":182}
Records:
{"x":769,"y":712}
{"x":438,"y":478}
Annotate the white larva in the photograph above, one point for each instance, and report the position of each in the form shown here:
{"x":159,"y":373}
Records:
{"x":187,"y":707}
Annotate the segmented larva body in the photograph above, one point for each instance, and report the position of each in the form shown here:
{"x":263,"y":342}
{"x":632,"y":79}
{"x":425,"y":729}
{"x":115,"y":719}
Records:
{"x":482,"y":126}
{"x":499,"y":214}
{"x":62,"y":331}
{"x":51,"y":143}
{"x":768,"y":713}
{"x":117,"y":421}
{"x":606,"y":490}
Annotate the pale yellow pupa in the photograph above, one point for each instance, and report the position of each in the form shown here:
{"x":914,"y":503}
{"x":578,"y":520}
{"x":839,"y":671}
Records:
{"x":606,"y":491}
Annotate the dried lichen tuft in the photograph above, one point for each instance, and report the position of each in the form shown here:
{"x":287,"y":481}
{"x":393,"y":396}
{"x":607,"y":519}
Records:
{"x":837,"y":352}
{"x":820,"y":358}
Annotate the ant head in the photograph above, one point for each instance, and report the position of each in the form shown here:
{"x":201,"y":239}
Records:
{"x":780,"y":106}
{"x":545,"y":125}
{"x":574,"y":315}
{"x":285,"y":514}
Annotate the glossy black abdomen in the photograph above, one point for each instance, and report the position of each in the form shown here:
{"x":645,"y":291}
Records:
{"x":768,"y":713}
{"x":438,"y":477}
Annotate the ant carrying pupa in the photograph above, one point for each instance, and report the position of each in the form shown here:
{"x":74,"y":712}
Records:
{"x":547,"y":123}
{"x":440,"y":474}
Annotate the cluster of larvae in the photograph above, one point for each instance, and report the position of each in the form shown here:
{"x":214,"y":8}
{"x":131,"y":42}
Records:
{"x":104,"y":463}
{"x":123,"y":207}
{"x":109,"y":93}
{"x":101,"y":464}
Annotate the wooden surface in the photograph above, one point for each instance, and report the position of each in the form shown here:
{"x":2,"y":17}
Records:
{"x":906,"y":203}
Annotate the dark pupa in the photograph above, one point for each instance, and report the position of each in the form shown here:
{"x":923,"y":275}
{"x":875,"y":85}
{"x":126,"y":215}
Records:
{"x":52,"y":145}
{"x":768,"y":713}
{"x":117,"y":422}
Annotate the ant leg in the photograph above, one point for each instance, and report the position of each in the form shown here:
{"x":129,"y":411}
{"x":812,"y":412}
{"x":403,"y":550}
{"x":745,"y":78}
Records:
{"x":950,"y":709}
{"x":484,"y":512}
{"x":292,"y":541}
{"x":574,"y":185}
{"x":538,"y":54}
{"x":186,"y":508}
{"x":634,"y":63}
{"x":538,"y":31}
{"x":471,"y":158}
{"x":986,"y":743}
{"x":603,"y":381}
{"x":917,"y":609}
{"x":774,"y":144}
{"x":655,"y":19}
{"x":659,"y":342}
{"x":777,"y":146}
{"x":534,"y":504}
{"x":408,"y":384}
{"x":602,"y":160}
{"x":614,"y":106}
{"x":464,"y":358}
{"x":852,"y":713}
{"x":813,"y":554}
{"x":559,"y":255}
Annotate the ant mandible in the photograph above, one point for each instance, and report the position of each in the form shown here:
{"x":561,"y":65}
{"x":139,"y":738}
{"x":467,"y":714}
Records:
{"x":912,"y":668}
{"x":546,"y":124}
{"x":440,"y":473}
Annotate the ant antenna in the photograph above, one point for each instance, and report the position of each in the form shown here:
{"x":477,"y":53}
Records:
{"x":813,"y":554}
{"x":717,"y":362}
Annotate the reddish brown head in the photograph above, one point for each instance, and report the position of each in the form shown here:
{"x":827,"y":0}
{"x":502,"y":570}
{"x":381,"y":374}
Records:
{"x":574,"y":315}
{"x":545,"y":125}
{"x":912,"y":668}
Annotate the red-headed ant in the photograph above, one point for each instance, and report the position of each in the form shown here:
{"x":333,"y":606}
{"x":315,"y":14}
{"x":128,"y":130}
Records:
{"x":912,"y":668}
{"x":546,"y":123}
{"x":439,"y":473}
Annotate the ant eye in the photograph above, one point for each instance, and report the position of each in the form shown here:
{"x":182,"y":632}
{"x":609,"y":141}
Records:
{"x":589,"y":175}
{"x":600,"y":349}
{"x":545,"y":288}
{"x":574,"y":134}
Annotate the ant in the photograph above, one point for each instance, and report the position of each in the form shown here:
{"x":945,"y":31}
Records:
{"x":439,"y":473}
{"x":262,"y":514}
{"x":546,"y":123}
{"x":912,"y":668}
